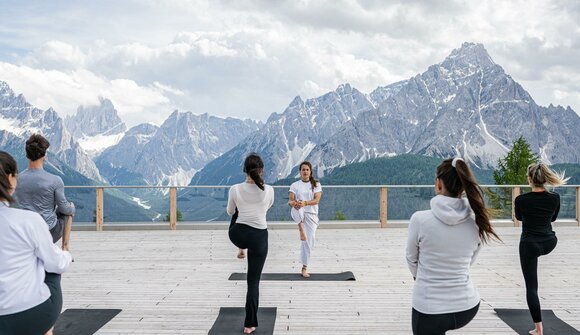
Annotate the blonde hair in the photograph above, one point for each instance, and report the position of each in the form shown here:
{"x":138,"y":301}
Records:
{"x":540,"y":175}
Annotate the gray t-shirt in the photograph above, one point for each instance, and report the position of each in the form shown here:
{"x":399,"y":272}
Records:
{"x":43,"y":193}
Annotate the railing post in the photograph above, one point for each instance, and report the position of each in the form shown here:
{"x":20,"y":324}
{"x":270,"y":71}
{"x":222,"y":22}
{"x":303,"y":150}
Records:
{"x":578,"y":205}
{"x":173,"y":208}
{"x":383,"y":213}
{"x":99,"y":216}
{"x":515,"y":193}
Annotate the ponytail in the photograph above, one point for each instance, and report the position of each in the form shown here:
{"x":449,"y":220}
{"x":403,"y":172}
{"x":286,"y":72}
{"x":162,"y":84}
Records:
{"x":313,"y":181}
{"x":7,"y":167}
{"x":458,"y":178}
{"x":253,"y":167}
{"x":540,"y":175}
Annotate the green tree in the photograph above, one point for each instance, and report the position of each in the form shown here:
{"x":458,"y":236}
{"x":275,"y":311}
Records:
{"x":179,"y":216}
{"x":511,"y":170}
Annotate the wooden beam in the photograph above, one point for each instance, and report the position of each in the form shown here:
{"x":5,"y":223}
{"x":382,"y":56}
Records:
{"x":383,"y":213}
{"x":578,"y":205}
{"x":99,"y":210}
{"x":173,"y":208}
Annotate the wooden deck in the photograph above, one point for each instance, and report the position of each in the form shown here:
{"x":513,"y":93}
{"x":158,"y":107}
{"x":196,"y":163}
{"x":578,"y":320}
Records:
{"x":174,"y":282}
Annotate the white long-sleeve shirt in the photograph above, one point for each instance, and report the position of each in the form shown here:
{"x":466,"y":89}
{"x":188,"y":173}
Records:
{"x":252,"y":204}
{"x":26,"y":252}
{"x":442,"y":245}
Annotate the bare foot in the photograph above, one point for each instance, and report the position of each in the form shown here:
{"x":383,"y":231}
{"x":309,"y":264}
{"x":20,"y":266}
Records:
{"x":241,"y":254}
{"x":302,"y":233}
{"x":249,"y":330}
{"x":304,"y":272}
{"x":49,"y":332}
{"x":539,"y":330}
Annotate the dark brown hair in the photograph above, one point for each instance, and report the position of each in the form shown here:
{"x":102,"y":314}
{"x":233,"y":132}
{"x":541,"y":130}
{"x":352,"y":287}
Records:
{"x":36,"y":147}
{"x":313,"y":181}
{"x":7,"y":167}
{"x":253,"y":166}
{"x":460,"y":179}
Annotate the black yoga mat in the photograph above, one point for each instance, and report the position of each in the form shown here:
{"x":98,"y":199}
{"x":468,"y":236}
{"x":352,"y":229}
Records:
{"x":231,"y":321}
{"x":296,"y":276}
{"x":521,"y":321}
{"x":83,"y":321}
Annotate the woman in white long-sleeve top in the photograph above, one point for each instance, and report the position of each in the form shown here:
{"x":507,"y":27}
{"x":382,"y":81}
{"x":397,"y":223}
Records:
{"x":30,"y":264}
{"x":443,"y":243}
{"x":248,"y":203}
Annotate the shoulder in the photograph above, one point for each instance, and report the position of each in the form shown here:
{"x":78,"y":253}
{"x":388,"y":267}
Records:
{"x":420,"y":217}
{"x":52,"y":178}
{"x":268,"y":188}
{"x":56,"y":179}
{"x":26,"y":217}
{"x":553,"y":195}
{"x":23,"y":173}
{"x":294,"y":186}
{"x":523,"y":197}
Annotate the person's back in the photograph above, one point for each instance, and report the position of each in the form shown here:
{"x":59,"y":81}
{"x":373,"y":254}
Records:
{"x":43,"y":193}
{"x":252,"y":204}
{"x":448,"y":240}
{"x":443,"y":243}
{"x":537,"y":211}
{"x":248,"y":204}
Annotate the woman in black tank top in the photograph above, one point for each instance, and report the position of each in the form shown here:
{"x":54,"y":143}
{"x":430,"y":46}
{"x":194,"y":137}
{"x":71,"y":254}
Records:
{"x":537,"y":210}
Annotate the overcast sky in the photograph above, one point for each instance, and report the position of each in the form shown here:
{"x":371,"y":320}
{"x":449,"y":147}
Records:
{"x":248,"y":59}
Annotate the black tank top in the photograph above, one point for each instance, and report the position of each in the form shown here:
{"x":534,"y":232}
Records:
{"x":537,"y":211}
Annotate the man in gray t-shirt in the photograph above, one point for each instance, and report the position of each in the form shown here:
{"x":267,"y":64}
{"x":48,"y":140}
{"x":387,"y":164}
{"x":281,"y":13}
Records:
{"x":42,"y":192}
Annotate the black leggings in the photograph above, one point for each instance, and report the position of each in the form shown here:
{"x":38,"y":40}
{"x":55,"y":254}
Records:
{"x":39,"y":319}
{"x":438,"y":324}
{"x":256,"y":241}
{"x":529,"y":253}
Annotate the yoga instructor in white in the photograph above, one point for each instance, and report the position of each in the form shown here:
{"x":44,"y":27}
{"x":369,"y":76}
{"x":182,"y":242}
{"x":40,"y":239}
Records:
{"x":304,"y":197}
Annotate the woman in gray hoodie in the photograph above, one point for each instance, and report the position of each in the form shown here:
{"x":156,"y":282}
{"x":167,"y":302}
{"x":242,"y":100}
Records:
{"x":443,"y":243}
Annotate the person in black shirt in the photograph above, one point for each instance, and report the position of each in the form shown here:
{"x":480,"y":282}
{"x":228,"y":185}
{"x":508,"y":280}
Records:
{"x":537,"y":210}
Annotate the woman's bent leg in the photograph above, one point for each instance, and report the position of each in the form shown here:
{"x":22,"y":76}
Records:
{"x":39,"y":319}
{"x":431,"y":324}
{"x":465,"y":317}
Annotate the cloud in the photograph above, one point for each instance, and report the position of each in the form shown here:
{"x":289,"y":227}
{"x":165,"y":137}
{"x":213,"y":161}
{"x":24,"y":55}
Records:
{"x":250,"y":58}
{"x":65,"y":91}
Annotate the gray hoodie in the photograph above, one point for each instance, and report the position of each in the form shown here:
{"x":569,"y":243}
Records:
{"x":443,"y":243}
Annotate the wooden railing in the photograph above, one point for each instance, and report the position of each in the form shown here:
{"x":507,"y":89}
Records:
{"x":383,"y":202}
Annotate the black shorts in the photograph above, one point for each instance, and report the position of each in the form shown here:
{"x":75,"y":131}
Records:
{"x":39,"y":319}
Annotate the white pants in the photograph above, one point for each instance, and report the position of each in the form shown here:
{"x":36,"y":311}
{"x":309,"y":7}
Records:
{"x":310,"y":222}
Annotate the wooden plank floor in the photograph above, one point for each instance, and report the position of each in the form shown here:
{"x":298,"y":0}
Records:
{"x":174,"y":282}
